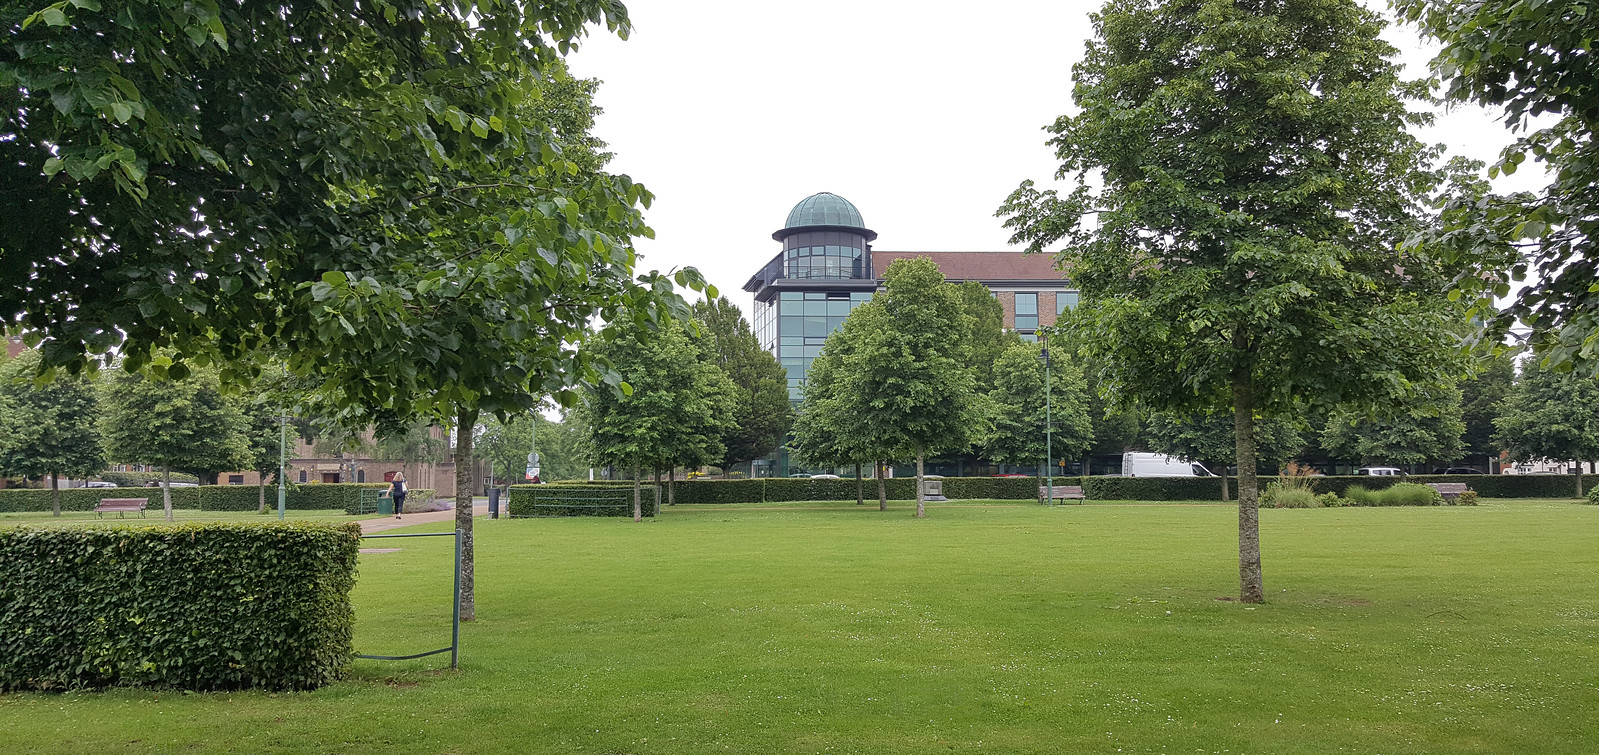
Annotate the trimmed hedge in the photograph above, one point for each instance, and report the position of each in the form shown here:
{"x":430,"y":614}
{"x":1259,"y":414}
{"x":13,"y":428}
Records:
{"x":320,"y":496}
{"x":213,"y":606}
{"x":536,"y":500}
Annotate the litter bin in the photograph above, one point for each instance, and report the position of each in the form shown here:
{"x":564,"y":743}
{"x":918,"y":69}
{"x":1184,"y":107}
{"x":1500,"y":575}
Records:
{"x":494,"y":503}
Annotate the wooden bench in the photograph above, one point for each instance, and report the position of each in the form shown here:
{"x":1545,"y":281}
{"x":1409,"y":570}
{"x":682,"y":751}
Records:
{"x":1449,"y":490}
{"x":121,"y":506}
{"x":1061,"y":492}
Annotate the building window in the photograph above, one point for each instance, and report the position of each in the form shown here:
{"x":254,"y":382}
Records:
{"x":1027,"y":312}
{"x":302,"y":476}
{"x":1065,"y":300}
{"x":235,"y":479}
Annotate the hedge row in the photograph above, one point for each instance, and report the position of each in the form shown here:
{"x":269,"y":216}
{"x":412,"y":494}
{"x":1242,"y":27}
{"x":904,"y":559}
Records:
{"x":587,"y":499}
{"x":320,"y":496}
{"x":1097,"y":488}
{"x":212,"y":606}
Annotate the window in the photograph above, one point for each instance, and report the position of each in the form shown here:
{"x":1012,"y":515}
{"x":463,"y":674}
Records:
{"x":1065,"y":300}
{"x":235,"y":479}
{"x":1027,"y":311}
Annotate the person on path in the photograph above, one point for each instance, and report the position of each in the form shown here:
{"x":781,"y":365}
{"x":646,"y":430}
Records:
{"x":397,"y":491}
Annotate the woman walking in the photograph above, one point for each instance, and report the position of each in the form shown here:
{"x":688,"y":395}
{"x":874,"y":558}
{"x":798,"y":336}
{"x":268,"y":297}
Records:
{"x":397,"y":491}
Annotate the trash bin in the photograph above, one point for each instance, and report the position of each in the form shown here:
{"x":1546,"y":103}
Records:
{"x":494,"y":503}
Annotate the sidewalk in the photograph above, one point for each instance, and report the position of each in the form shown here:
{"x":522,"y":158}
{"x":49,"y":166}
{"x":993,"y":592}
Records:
{"x":373,"y":526}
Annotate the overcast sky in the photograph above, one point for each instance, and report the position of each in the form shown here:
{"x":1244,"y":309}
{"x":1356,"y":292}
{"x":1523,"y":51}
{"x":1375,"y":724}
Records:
{"x":925,"y":115}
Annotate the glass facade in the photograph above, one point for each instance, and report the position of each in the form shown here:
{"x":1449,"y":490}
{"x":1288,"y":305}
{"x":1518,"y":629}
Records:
{"x":1027,"y":312}
{"x":796,"y":324}
{"x":825,"y":255}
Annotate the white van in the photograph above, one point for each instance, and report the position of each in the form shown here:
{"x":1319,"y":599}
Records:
{"x":1137,"y":464}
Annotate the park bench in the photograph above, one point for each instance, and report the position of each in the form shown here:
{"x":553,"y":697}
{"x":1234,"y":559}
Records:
{"x":1061,"y":492}
{"x":1449,"y":490}
{"x":121,"y":506}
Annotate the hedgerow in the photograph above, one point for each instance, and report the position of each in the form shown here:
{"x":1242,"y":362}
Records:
{"x":212,"y":606}
{"x":319,"y":496}
{"x":596,"y":499}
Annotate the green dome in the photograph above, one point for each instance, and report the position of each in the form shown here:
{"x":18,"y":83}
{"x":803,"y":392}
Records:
{"x":824,"y":209}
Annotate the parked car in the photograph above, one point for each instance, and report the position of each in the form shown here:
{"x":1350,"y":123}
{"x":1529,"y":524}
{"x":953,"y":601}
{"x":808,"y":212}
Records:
{"x":99,"y":484}
{"x":1010,"y":475}
{"x":800,"y":476}
{"x":1137,"y":464}
{"x":824,"y":476}
{"x":157,"y":484}
{"x":1457,"y":470}
{"x":1379,"y":471}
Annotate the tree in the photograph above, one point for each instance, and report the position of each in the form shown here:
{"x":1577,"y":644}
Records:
{"x":1256,"y":174}
{"x":1211,"y":440}
{"x":1528,"y":58}
{"x":1017,"y":405}
{"x":1410,"y":432}
{"x":671,"y":407}
{"x":762,"y":412}
{"x":47,"y":428}
{"x":1482,"y":400}
{"x":1552,"y":416}
{"x":829,"y":428}
{"x":170,"y":156}
{"x":906,"y":378}
{"x":187,"y":425}
{"x":986,"y":338}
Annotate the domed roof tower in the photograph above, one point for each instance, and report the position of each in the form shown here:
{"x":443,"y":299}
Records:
{"x":824,"y":211}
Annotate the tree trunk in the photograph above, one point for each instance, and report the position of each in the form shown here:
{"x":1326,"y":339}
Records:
{"x":466,"y":421}
{"x":1250,"y":586}
{"x":261,"y":509}
{"x":671,"y":488}
{"x":166,"y":492}
{"x":1224,"y":482}
{"x":921,"y":503}
{"x":882,"y":488}
{"x":860,"y":487}
{"x":638,"y":502}
{"x":55,"y":494}
{"x":1579,"y":480}
{"x":657,"y":488}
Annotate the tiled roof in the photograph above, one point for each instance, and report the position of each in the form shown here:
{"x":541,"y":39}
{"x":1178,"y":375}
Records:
{"x":977,"y":266}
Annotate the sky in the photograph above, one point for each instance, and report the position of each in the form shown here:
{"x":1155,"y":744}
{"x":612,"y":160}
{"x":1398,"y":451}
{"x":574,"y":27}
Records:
{"x":925,"y":115}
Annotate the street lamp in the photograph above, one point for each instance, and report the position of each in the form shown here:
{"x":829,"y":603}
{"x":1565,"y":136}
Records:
{"x":283,"y":444}
{"x":1049,"y":455}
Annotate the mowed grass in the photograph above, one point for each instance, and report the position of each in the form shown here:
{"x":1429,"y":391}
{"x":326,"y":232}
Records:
{"x":831,"y":628}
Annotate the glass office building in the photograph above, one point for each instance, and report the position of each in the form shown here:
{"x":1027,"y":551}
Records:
{"x":827,"y":267}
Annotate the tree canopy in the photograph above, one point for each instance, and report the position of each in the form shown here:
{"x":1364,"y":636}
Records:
{"x":1551,"y":415}
{"x":1256,"y":171}
{"x":762,"y":412}
{"x":1410,"y":432}
{"x":1015,"y":434}
{"x":185,"y":425}
{"x":1526,"y":58}
{"x":48,"y":428}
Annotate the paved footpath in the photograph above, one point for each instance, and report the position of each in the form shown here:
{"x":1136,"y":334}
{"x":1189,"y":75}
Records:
{"x":373,"y":526}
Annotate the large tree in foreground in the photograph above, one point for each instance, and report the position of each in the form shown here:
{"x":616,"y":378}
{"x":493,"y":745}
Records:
{"x":1256,"y":174}
{"x":1528,"y":59}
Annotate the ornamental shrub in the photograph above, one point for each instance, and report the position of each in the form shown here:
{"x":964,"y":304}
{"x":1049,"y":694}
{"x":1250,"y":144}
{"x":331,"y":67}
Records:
{"x":213,"y":606}
{"x":1593,"y":496}
{"x":1468,"y":498}
{"x":1330,"y":501}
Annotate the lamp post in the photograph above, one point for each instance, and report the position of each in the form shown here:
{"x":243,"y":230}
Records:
{"x":283,"y":444}
{"x":1049,"y":455}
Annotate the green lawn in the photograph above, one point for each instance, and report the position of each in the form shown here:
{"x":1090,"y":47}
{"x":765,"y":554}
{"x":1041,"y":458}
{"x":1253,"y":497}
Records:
{"x":831,"y":628}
